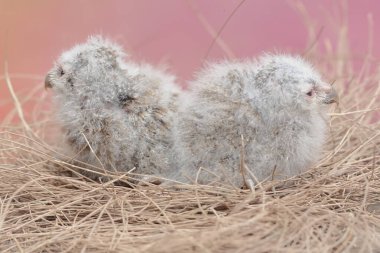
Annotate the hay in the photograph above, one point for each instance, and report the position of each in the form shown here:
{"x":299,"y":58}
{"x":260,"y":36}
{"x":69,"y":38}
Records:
{"x":45,"y":206}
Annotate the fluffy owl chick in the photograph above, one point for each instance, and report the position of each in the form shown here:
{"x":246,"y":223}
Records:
{"x":116,"y":115}
{"x":277,"y":104}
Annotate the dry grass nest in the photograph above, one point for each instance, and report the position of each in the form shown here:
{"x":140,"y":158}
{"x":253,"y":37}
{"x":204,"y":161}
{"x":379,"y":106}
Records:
{"x":45,"y":206}
{"x":334,"y":207}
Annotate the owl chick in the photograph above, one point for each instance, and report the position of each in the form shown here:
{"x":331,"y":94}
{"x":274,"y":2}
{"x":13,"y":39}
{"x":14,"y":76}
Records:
{"x":116,"y":115}
{"x":271,"y":113}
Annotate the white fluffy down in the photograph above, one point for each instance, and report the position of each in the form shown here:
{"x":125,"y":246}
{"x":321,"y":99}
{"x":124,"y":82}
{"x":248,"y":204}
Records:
{"x":271,"y":113}
{"x":118,"y":115}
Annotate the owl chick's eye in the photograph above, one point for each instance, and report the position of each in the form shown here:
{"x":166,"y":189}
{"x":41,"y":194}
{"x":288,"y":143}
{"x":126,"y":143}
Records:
{"x":124,"y":98}
{"x":310,"y":93}
{"x":61,"y":72}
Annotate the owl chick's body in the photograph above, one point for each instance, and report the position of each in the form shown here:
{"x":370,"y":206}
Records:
{"x":268,"y":112}
{"x":116,"y":115}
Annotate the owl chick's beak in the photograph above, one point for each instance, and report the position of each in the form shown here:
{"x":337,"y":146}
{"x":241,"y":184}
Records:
{"x":329,"y":94}
{"x":47,"y":82}
{"x":331,"y":97}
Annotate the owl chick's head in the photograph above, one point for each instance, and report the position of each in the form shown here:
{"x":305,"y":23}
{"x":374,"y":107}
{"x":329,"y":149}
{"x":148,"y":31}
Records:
{"x":94,"y":69}
{"x":292,"y":82}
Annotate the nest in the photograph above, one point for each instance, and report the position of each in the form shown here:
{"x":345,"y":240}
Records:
{"x":46,"y":206}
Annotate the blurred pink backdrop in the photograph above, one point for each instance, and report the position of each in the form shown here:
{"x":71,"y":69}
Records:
{"x":166,"y":32}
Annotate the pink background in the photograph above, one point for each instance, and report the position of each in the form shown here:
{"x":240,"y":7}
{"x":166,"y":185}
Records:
{"x":167,"y":32}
